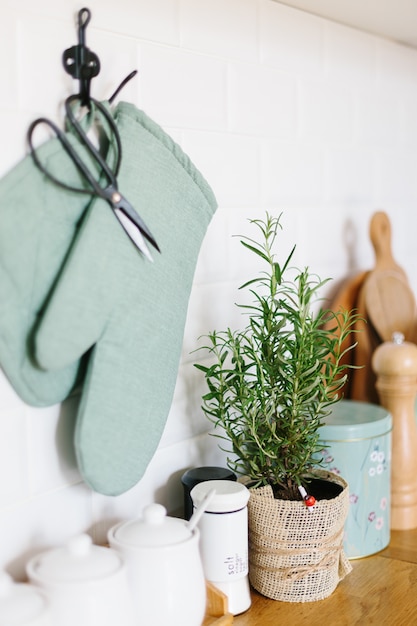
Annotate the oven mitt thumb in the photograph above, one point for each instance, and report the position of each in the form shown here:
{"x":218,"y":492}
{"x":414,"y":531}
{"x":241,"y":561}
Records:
{"x":38,"y":222}
{"x":131,"y":310}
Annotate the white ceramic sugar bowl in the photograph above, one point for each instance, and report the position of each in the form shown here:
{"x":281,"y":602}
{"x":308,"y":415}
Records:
{"x":22,"y":604}
{"x":85,"y":584}
{"x":164,"y":566}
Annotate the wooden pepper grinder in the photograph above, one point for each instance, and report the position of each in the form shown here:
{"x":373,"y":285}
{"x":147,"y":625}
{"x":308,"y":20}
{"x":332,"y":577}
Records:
{"x":395,"y":365}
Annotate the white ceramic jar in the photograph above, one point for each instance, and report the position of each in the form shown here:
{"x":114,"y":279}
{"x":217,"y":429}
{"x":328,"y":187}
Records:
{"x":164,"y":566}
{"x":85,"y":584}
{"x":22,"y":604}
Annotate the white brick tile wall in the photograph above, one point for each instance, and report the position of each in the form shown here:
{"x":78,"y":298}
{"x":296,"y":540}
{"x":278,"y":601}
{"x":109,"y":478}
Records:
{"x":378,"y":115}
{"x":409,"y":120}
{"x":291,"y":40}
{"x":292,"y":173}
{"x":8,"y":50}
{"x":230,"y":162}
{"x":181,"y":88}
{"x":350,"y":56}
{"x":224,"y":29}
{"x":43,"y":83}
{"x":152,"y":21}
{"x":50,"y":447}
{"x":40,"y":523}
{"x":262,"y":101}
{"x":281,"y":111}
{"x":350,"y":177}
{"x":326,"y":112}
{"x":14,"y":486}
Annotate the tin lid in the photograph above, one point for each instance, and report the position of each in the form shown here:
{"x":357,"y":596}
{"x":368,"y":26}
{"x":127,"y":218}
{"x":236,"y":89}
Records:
{"x":351,"y":419}
{"x":230,"y":496}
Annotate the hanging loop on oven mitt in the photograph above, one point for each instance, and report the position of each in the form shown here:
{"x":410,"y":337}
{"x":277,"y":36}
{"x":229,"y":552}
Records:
{"x":129,"y":311}
{"x":38,"y":222}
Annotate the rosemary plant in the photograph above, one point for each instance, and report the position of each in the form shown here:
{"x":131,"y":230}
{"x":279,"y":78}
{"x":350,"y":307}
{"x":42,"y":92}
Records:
{"x":272,"y":383}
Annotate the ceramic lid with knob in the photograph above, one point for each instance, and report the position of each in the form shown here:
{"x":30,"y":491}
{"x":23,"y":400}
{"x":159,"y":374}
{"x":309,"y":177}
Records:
{"x":78,"y":561}
{"x":154,"y":529}
{"x":21,"y":604}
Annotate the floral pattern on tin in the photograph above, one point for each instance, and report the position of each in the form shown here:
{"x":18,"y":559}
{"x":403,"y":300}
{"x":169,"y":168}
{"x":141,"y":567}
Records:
{"x":367,"y":528}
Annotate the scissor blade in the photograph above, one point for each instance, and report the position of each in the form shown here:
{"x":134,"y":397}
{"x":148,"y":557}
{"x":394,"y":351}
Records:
{"x":133,"y":232}
{"x":131,"y":220}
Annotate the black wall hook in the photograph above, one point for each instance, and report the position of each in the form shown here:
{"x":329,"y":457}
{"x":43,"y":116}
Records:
{"x":79,"y":61}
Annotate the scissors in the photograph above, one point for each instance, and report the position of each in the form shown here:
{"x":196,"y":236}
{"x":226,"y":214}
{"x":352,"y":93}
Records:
{"x":132,"y":223}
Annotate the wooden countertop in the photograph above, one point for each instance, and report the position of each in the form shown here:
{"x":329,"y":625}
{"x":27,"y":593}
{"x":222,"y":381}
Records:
{"x":381,"y":589}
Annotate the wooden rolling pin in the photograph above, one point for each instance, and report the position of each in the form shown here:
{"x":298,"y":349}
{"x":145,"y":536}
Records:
{"x":395,"y":366}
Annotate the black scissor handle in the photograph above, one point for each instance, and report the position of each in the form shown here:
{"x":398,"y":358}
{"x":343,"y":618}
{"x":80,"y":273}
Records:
{"x":68,"y":149}
{"x":110,"y":173}
{"x":95,"y":188}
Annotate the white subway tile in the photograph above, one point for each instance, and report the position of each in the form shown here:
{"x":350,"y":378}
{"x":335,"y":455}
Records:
{"x":41,"y":523}
{"x":186,"y":419}
{"x":326,"y":112}
{"x":214,"y":254}
{"x":350,"y":55}
{"x":396,"y":179}
{"x":320,"y":244}
{"x":224,"y":29}
{"x":9,"y":399}
{"x":183,"y":89}
{"x":408,"y":119}
{"x":229,"y":162}
{"x":396,"y":65}
{"x":51,"y":448}
{"x":62,"y":9}
{"x":118,"y":57}
{"x":378,"y":117}
{"x":43,"y":82}
{"x":262,"y":101}
{"x":211,"y":307}
{"x":292,"y":173}
{"x":14,"y":124}
{"x":290,"y":39}
{"x":13,"y":456}
{"x":8,"y":55}
{"x":154,"y":21}
{"x":350,"y":177}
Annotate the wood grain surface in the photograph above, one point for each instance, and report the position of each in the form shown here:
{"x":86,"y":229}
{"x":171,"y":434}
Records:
{"x":379,"y":590}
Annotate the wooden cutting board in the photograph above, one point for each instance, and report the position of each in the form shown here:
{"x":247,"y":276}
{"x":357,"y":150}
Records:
{"x":387,"y":305}
{"x":389,"y":301}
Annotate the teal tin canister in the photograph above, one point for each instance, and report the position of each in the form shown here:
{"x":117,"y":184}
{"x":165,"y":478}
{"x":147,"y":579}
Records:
{"x":357,"y":445}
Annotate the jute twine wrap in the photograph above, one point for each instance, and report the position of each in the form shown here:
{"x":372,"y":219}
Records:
{"x":296,"y":553}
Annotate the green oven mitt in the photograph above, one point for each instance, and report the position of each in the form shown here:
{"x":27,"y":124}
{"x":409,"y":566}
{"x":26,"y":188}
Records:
{"x":129,"y":311}
{"x":38,"y":222}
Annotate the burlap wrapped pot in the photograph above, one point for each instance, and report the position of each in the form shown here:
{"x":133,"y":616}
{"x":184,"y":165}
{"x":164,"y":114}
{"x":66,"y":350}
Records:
{"x":296,"y":552}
